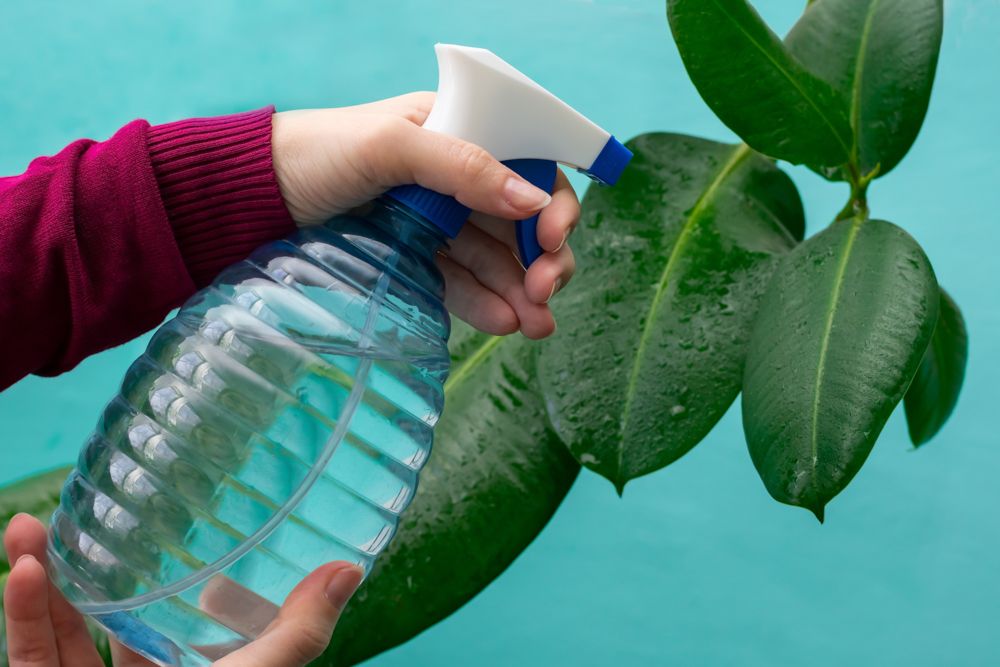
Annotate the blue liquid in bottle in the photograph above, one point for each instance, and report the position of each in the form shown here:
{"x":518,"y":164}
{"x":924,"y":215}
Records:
{"x":277,"y":423}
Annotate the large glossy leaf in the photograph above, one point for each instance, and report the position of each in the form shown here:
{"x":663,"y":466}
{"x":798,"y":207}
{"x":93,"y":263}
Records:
{"x":881,"y":55}
{"x":751,"y":82}
{"x":497,"y":473}
{"x":652,"y":335}
{"x":839,"y":336}
{"x":934,"y":392}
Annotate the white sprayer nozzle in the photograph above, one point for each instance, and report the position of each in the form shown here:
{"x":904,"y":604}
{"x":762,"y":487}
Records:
{"x":486,"y":101}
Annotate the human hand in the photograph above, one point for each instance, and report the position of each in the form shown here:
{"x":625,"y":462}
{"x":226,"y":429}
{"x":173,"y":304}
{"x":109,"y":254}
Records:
{"x":329,"y":161}
{"x":44,"y":630}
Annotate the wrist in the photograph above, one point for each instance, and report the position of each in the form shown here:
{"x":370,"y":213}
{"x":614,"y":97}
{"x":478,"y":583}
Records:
{"x":285,"y":154}
{"x":219,"y":189}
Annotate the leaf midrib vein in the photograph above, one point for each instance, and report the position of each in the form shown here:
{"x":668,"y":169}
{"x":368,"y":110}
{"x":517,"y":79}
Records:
{"x":788,"y":75}
{"x":859,"y":70}
{"x":471,"y":363}
{"x":739,"y":155}
{"x":827,"y":329}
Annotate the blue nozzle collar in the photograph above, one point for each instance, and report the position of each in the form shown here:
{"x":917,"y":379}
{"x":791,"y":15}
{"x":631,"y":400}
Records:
{"x":610,"y":162}
{"x":444,"y":211}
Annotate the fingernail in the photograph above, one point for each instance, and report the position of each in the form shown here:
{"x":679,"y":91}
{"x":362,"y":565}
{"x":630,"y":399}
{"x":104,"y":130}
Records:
{"x":524,"y":196}
{"x":23,"y":557}
{"x":563,"y":242}
{"x":342,"y":585}
{"x":555,"y":288}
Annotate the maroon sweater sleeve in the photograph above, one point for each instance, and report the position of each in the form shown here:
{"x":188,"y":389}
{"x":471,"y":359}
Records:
{"x":99,"y":242}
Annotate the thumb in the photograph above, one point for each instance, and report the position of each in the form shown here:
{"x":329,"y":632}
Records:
{"x":458,"y":168}
{"x":305,"y":623}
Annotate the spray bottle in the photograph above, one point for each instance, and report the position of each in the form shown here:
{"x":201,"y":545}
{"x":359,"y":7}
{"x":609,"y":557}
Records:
{"x":281,"y":419}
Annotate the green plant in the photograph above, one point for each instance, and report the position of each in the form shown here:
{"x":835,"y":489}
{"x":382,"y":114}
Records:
{"x":696,"y":285}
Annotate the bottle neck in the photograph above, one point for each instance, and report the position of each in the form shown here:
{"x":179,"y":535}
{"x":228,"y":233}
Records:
{"x":408,"y":226}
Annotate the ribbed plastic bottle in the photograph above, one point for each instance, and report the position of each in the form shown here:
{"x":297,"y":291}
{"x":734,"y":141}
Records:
{"x":280,"y":420}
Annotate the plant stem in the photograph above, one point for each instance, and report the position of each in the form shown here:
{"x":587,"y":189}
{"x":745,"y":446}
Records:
{"x":857,"y":205}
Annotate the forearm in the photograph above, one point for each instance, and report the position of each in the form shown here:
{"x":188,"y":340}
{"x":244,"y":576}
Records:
{"x":99,"y":242}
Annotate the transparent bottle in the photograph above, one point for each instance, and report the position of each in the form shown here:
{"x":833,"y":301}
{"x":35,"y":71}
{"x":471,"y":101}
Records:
{"x":278,"y":422}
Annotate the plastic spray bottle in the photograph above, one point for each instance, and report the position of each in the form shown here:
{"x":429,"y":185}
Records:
{"x":280,"y":420}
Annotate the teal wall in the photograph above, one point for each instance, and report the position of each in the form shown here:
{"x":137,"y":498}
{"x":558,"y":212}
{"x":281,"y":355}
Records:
{"x":696,"y":565}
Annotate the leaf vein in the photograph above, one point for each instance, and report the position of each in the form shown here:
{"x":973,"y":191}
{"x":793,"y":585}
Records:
{"x":474,"y":360}
{"x":740,"y":153}
{"x":859,"y":69}
{"x":827,"y":329}
{"x":792,"y":79}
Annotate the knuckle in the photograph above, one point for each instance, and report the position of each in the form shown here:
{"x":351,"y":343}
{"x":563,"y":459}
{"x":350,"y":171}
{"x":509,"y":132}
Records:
{"x":575,"y":209}
{"x":421,"y":97}
{"x":472,"y":160}
{"x":312,"y":641}
{"x":64,"y":626}
{"x":381,"y":130}
{"x":375,"y":139}
{"x":419,"y":105}
{"x":570,"y":264}
{"x":31,"y":654}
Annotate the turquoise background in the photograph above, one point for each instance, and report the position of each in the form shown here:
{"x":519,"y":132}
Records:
{"x":695,"y":565}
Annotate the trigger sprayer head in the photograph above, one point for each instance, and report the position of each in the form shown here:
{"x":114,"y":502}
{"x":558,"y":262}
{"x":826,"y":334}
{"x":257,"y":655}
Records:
{"x":484,"y":100}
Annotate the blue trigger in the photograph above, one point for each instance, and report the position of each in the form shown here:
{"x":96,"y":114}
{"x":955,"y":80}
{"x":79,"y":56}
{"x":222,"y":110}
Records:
{"x":541,"y":174}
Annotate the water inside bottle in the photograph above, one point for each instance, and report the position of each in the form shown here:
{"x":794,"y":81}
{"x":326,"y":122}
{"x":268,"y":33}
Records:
{"x":278,"y":423}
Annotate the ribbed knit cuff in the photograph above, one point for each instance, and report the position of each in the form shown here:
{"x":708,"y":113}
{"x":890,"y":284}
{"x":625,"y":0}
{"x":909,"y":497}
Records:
{"x":218,"y":186}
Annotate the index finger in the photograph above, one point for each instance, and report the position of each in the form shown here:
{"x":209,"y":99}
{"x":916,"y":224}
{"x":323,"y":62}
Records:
{"x":31,"y":641}
{"x":555,"y":222}
{"x":25,"y":535}
{"x":558,"y":219}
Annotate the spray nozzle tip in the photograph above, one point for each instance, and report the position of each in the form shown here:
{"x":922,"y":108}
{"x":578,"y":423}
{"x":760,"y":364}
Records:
{"x":610,"y":162}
